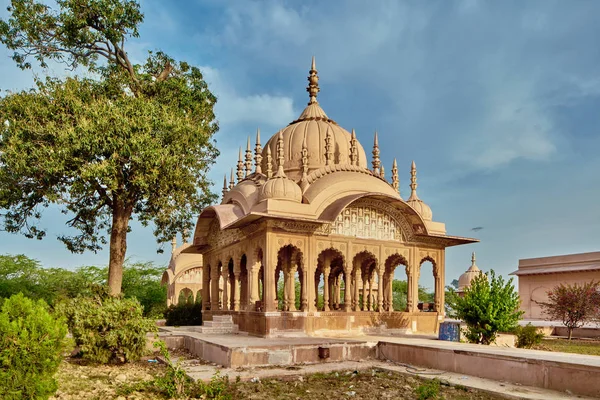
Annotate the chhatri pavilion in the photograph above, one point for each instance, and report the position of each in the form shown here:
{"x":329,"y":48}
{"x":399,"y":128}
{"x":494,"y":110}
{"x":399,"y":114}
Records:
{"x":308,"y":215}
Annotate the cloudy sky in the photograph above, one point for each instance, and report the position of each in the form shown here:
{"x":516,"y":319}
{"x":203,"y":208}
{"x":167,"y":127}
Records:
{"x":497,"y":102}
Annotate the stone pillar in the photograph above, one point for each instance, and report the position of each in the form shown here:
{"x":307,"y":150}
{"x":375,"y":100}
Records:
{"x":270,"y":301}
{"x":236,"y":292}
{"x":415,"y":289}
{"x":317,"y":280}
{"x":206,"y":289}
{"x":391,"y":292}
{"x":304,"y":291}
{"x":214,"y":295}
{"x":292,"y":290}
{"x":347,"y":290}
{"x":253,"y":284}
{"x":364,"y":282}
{"x":379,"y":290}
{"x":356,"y":298}
{"x":326,"y":286}
{"x":225,"y":274}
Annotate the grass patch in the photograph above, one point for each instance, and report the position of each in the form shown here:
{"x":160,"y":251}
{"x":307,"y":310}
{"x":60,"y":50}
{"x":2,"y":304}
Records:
{"x":577,"y":346}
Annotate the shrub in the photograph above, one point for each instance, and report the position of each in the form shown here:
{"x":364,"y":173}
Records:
{"x":574,"y":305}
{"x":184,"y":314}
{"x":488,"y":306}
{"x":107,"y":328}
{"x":429,"y":390}
{"x":528,"y":336}
{"x":31,"y":344}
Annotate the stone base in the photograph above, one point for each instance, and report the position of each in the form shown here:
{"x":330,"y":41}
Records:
{"x":298,"y":323}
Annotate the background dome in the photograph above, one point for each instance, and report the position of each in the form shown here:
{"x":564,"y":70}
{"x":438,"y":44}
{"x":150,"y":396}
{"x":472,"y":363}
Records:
{"x":312,"y":125}
{"x":465,"y":279}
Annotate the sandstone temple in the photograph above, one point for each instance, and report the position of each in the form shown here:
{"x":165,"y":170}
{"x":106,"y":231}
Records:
{"x":308,"y":236}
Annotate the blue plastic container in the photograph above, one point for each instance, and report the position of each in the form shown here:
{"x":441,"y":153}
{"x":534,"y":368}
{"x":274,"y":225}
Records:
{"x":449,"y":331}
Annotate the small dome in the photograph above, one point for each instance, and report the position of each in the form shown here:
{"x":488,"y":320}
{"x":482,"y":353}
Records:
{"x":465,"y":279}
{"x":281,"y":188}
{"x":423,"y":209}
{"x":414,"y":201}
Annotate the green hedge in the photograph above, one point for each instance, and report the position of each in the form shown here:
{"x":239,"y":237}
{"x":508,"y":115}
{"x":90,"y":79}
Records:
{"x":32,"y":341}
{"x":184,"y":314}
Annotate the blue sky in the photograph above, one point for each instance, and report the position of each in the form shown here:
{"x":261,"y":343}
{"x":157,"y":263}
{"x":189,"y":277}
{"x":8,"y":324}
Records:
{"x":497,"y":102}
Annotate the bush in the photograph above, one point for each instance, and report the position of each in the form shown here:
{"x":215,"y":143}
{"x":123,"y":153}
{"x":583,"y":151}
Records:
{"x":107,"y":328}
{"x":528,"y":336}
{"x":429,"y":390}
{"x":31,"y":345}
{"x":184,"y":314}
{"x":488,"y":307}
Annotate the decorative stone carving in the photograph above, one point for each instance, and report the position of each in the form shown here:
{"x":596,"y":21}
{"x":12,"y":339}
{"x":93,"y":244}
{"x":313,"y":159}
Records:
{"x":218,"y":238}
{"x":372,"y":219}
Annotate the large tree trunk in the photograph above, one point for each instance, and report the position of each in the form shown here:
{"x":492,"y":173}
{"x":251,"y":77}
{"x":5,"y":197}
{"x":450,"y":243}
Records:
{"x":118,"y":245}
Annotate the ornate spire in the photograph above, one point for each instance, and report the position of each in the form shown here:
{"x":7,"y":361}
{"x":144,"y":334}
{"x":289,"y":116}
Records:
{"x":269,"y":163}
{"x":280,"y":156}
{"x":313,"y":83}
{"x":328,"y":147}
{"x":413,"y":182}
{"x":224,"y":191}
{"x":248,"y":169}
{"x":353,"y":149}
{"x":376,"y":163}
{"x":231,"y":181}
{"x":304,"y":159}
{"x":173,"y":244}
{"x":240,"y":167}
{"x":395,"y":180}
{"x":382,"y":174}
{"x":258,"y":153}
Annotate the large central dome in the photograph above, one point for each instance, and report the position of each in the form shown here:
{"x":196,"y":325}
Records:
{"x":310,"y":130}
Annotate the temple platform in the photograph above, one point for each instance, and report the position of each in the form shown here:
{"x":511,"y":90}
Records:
{"x":567,"y":373}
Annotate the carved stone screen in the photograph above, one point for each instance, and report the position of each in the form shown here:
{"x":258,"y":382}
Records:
{"x":366,"y":222}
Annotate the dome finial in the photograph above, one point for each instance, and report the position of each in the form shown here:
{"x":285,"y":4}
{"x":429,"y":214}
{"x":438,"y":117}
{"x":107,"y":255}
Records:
{"x":328,"y":147}
{"x":240,"y":167}
{"x":473,"y":260}
{"x":248,"y":169}
{"x":224,"y":191}
{"x":313,"y":83}
{"x":376,"y":163}
{"x":304,"y":159}
{"x":353,"y":149}
{"x":258,"y":153}
{"x":413,"y":182}
{"x":395,"y":179}
{"x":269,"y":163}
{"x":231,"y":181}
{"x":280,"y":156}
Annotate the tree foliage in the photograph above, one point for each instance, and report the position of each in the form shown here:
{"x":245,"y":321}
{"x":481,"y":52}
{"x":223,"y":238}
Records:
{"x":574,"y":305}
{"x":400,"y":295}
{"x":136,"y":140}
{"x":31,"y":344}
{"x":488,"y":306}
{"x":19,"y":273}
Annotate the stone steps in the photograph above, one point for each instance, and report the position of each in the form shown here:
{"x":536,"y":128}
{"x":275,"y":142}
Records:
{"x":220,"y":324}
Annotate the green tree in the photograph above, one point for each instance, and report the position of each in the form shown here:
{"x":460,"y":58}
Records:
{"x":400,"y":295}
{"x":489,"y":306}
{"x":136,"y":140}
{"x":574,"y":305}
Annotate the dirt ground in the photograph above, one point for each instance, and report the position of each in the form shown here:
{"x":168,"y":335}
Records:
{"x":90,"y":382}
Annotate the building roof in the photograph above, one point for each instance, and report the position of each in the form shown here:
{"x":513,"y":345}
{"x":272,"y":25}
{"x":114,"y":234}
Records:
{"x":582,"y":262}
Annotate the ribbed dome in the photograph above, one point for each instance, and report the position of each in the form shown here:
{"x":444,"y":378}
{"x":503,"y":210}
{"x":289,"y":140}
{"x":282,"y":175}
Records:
{"x":313,"y":125}
{"x":281,"y":188}
{"x":423,"y":209}
{"x":464,"y":281}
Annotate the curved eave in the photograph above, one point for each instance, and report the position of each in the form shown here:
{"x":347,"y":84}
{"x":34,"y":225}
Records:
{"x":226,"y":214}
{"x":446,"y":240}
